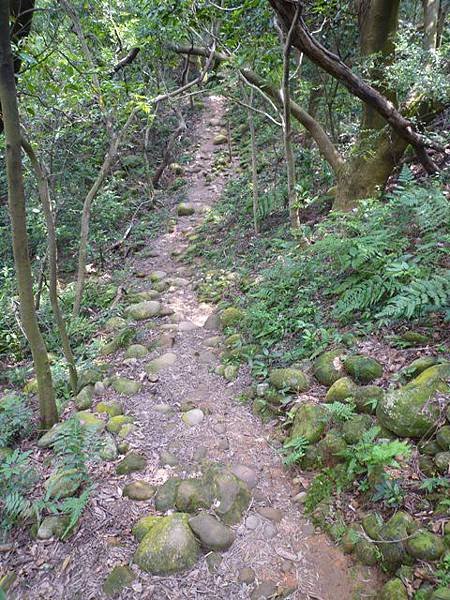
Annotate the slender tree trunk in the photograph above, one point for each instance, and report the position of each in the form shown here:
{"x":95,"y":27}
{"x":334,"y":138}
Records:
{"x":287,"y":128}
{"x":431,"y":10}
{"x":16,"y":201}
{"x":44,"y":194}
{"x":255,"y":186}
{"x":86,"y":214}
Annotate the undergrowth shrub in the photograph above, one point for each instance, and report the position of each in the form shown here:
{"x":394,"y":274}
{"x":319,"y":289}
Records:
{"x":16,"y":419}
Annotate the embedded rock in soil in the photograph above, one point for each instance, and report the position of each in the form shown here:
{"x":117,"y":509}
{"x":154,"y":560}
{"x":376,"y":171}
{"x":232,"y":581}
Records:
{"x":331,"y":447}
{"x":414,"y":338}
{"x":159,"y":364}
{"x":372,"y":524}
{"x":50,"y":437}
{"x":144,"y":296}
{"x":138,"y":490}
{"x":89,"y":420}
{"x":213,"y":534}
{"x":273,"y":514}
{"x":212,"y":323}
{"x":185,"y":209}
{"x":169,"y":546}
{"x":213,"y":342}
{"x":118,"y":579}
{"x":418,"y":366}
{"x":53,"y":527}
{"x":425,"y":545}
{"x":246,"y":575}
{"x":354,"y":429}
{"x":108,"y":449}
{"x":394,"y":553}
{"x":442,"y":462}
{"x":443,"y":437}
{"x":413,"y":409}
{"x":144,"y":310}
{"x":232,"y":494}
{"x":143,"y":526}
{"x":166,"y":495}
{"x":365,"y":397}
{"x":167,"y":458}
{"x":230,"y":317}
{"x":132,"y":462}
{"x":193,"y":494}
{"x":328,"y":368}
{"x":230,"y":372}
{"x":193,"y":417}
{"x":366,"y":553}
{"x":309,"y":422}
{"x":116,"y":423}
{"x":220,"y":139}
{"x":83,"y":399}
{"x":394,"y":590}
{"x":91,"y":375}
{"x":115,"y":323}
{"x":290,"y":380}
{"x":125,"y":386}
{"x":362,"y":368}
{"x":157,"y":275}
{"x":264,"y":591}
{"x":112,"y":409}
{"x":63,"y":483}
{"x":136,"y":351}
{"x":246,"y":474}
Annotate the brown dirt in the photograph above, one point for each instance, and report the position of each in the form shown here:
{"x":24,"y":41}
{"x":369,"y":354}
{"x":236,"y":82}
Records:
{"x":291,"y":553}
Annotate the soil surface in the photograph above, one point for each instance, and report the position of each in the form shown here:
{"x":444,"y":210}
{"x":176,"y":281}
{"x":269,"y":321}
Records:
{"x":289,"y":553}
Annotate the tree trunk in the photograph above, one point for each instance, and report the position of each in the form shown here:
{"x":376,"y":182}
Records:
{"x":52,"y":261}
{"x":255,"y":187}
{"x":16,"y":201}
{"x":431,"y":10}
{"x":86,"y":213}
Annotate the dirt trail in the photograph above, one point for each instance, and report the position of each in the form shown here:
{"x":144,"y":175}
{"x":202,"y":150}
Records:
{"x":288,"y":553}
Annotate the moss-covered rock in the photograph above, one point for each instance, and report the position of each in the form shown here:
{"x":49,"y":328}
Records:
{"x":166,"y":495}
{"x":372,"y":524}
{"x":112,"y":409}
{"x":354,"y":429}
{"x":330,"y":448}
{"x":131,"y":463}
{"x":116,"y":423}
{"x":90,"y":375}
{"x":185,"y":209}
{"x":144,"y":310}
{"x":424,"y":545}
{"x":443,"y":437}
{"x":309,"y":422}
{"x":136,"y":351}
{"x":231,"y":493}
{"x":418,"y":366}
{"x":328,"y":367}
{"x":394,"y":590}
{"x":63,"y":483}
{"x":365,"y":397}
{"x":231,"y":317}
{"x":193,"y":494}
{"x":363,"y":369}
{"x":442,"y":462}
{"x":53,"y":526}
{"x":220,"y":139}
{"x":138,"y":490}
{"x":115,"y":324}
{"x":414,"y":338}
{"x":83,"y":399}
{"x":125,"y":386}
{"x":366,"y":553}
{"x":108,"y":448}
{"x":117,"y":580}
{"x":143,"y":526}
{"x":350,"y":539}
{"x":427,"y":466}
{"x":143,"y":296}
{"x":413,"y":409}
{"x":392,"y":538}
{"x":89,"y":420}
{"x":168,"y":547}
{"x":290,"y":380}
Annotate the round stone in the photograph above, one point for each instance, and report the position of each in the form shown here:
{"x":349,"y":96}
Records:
{"x":193,"y":417}
{"x":138,"y":490}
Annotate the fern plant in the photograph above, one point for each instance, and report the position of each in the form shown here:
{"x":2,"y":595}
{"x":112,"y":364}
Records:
{"x":340,"y":411}
{"x":16,"y":419}
{"x":294,"y":449}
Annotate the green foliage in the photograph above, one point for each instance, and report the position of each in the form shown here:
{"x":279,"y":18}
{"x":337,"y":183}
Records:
{"x":431,"y":484}
{"x":442,"y":573}
{"x":390,"y":492}
{"x":294,"y":449}
{"x":320,"y":490}
{"x":74,"y":507}
{"x":340,"y":411}
{"x":367,"y":455}
{"x":75,"y":446}
{"x":16,"y":479}
{"x":16,"y":419}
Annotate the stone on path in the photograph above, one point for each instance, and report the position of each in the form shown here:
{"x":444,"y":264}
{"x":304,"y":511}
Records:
{"x":116,"y":423}
{"x":157,"y":275}
{"x":84,"y":398}
{"x":245,"y":474}
{"x":159,"y":364}
{"x":132,"y":462}
{"x":163,"y":409}
{"x":166,"y":495}
{"x":108,"y":448}
{"x":212,"y":534}
{"x":193,"y":417}
{"x":167,"y":458}
{"x":53,"y":526}
{"x":273,"y":514}
{"x":144,"y":310}
{"x":263,"y":591}
{"x":119,"y":578}
{"x":113,"y":408}
{"x":168,"y":547}
{"x":63,"y":483}
{"x":246,"y":575}
{"x":138,"y":490}
{"x":185,"y":209}
{"x":125,"y":386}
{"x":136,"y":351}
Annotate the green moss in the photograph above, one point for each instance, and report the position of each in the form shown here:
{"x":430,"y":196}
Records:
{"x":291,"y":380}
{"x":143,"y":526}
{"x":120,"y":577}
{"x":112,"y":409}
{"x":125,"y":386}
{"x":116,"y":423}
{"x":425,"y":545}
{"x":394,"y":590}
{"x":309,"y":422}
{"x":328,"y":367}
{"x":231,"y":317}
{"x":362,"y":368}
{"x":131,"y":463}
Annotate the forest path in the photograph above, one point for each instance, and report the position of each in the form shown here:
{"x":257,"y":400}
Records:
{"x":281,"y":546}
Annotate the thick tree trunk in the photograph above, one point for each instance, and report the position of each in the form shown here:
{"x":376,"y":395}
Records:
{"x":16,"y":201}
{"x":52,"y":261}
{"x":431,"y":10}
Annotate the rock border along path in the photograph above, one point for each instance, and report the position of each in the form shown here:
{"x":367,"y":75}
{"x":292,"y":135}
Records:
{"x":276,"y":550}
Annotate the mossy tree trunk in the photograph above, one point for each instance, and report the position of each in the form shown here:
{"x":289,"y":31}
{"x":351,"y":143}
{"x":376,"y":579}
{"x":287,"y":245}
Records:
{"x":16,"y":202}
